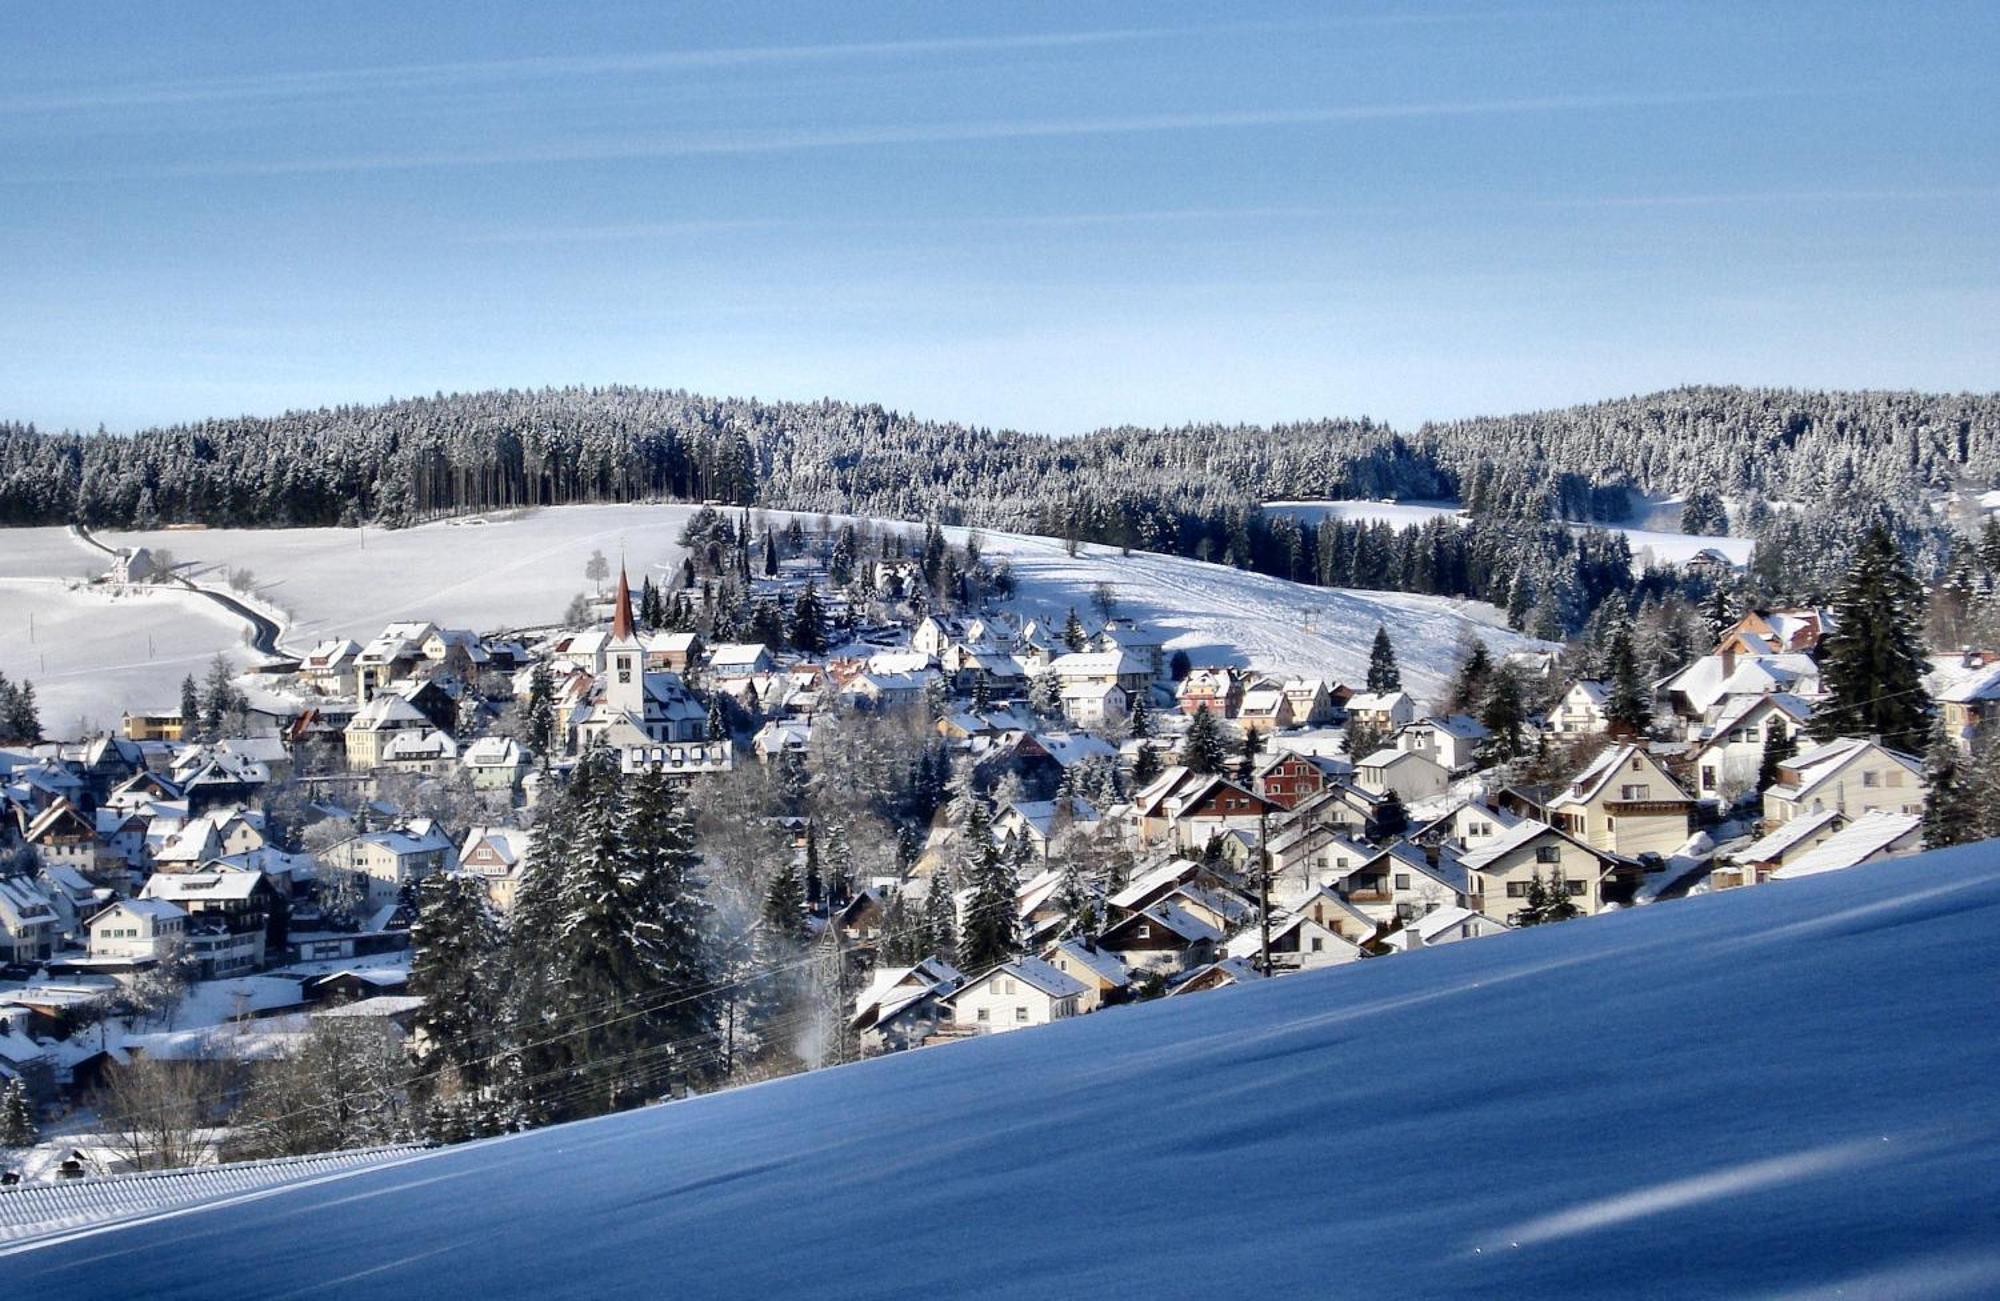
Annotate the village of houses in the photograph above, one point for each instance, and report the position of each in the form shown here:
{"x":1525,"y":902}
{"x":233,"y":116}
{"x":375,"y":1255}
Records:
{"x":120,"y":850}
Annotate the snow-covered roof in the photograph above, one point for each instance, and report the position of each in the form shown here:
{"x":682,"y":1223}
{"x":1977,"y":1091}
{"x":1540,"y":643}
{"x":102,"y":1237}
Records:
{"x":189,"y":886}
{"x":1101,"y":963}
{"x":1774,"y":846}
{"x":1872,"y":834}
{"x":1052,"y":981}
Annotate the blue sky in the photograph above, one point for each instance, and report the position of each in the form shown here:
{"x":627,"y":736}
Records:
{"x":1044,"y":216}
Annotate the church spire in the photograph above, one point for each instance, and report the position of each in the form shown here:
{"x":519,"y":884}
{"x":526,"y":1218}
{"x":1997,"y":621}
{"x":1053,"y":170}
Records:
{"x":621,"y":617}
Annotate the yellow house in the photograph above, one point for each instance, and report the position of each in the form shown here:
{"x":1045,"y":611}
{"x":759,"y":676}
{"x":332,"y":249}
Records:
{"x":1851,"y":775}
{"x":1624,"y":803}
{"x":1500,"y":871}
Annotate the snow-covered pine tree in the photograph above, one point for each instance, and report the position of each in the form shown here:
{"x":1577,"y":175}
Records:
{"x":455,"y":967}
{"x":992,"y":919}
{"x":1073,"y":635}
{"x":1872,"y":664}
{"x":603,"y":979}
{"x":670,"y":916}
{"x":1505,"y":714}
{"x":1949,"y":817}
{"x":940,"y":917}
{"x":1475,"y":675}
{"x":808,"y":628}
{"x":1077,"y":901}
{"x":1202,"y":748}
{"x":1626,"y":708}
{"x":539,"y":716}
{"x":1383,"y":675}
{"x":17,"y":1118}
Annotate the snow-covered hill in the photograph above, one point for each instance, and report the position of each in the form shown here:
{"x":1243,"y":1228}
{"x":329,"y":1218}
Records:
{"x":522,"y":569}
{"x":1782,"y":1091}
{"x":1648,"y":545}
{"x":93,"y":653}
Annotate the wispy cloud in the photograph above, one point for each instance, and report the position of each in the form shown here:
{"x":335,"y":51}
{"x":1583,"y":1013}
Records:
{"x":1746,"y":198}
{"x":424,"y":76}
{"x":391,"y":78}
{"x":699,"y":144}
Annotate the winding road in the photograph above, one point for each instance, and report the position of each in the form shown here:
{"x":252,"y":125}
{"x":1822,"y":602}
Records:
{"x":264,"y":632}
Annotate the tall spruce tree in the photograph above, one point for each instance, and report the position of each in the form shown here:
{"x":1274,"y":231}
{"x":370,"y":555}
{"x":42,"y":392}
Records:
{"x":1202,"y":748}
{"x":808,"y":630}
{"x":1505,"y":714}
{"x":670,"y":914}
{"x":1383,"y":675}
{"x":1949,"y":815}
{"x":1072,"y":634}
{"x":455,"y":967}
{"x":1625,"y":707}
{"x":992,"y":918}
{"x":539,"y":714}
{"x":602,"y":978}
{"x":1475,"y":675}
{"x":17,"y":1118}
{"x":1872,"y":664}
{"x":940,"y":920}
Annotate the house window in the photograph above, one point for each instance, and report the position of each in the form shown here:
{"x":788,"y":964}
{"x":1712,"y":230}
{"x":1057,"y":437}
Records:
{"x":1517,"y":889}
{"x":1006,"y":986}
{"x":1548,"y":854}
{"x":1402,"y":880}
{"x":1145,"y":932}
{"x":985,"y":1014}
{"x":1707,"y":777}
{"x":1319,"y":945}
{"x":1573,"y":887}
{"x":1020,"y":1014}
{"x":1869,"y":778}
{"x":1637,"y":765}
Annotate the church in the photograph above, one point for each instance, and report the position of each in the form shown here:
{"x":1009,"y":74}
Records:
{"x":649,"y":717}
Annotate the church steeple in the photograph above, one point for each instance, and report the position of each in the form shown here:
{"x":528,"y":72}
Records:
{"x":621,"y":617}
{"x":625,"y":690}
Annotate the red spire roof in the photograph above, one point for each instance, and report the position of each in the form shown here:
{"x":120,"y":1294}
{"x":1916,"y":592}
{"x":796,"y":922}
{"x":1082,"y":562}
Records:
{"x":621,"y":618}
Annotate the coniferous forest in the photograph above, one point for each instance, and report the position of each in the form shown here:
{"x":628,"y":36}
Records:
{"x":1809,"y":473}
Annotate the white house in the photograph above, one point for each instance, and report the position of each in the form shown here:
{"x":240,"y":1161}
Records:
{"x":1452,"y":742}
{"x":394,"y":857}
{"x":1092,"y":704}
{"x":1384,"y":711}
{"x":1732,"y":749}
{"x":1017,"y":994}
{"x":1411,"y":775}
{"x":1581,"y":710}
{"x":134,"y":930}
{"x":1852,"y":774}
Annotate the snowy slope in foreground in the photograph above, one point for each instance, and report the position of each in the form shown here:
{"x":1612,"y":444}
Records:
{"x":522,"y":569}
{"x":1767,"y":1091}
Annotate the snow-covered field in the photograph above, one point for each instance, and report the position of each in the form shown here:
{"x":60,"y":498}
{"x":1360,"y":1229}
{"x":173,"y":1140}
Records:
{"x":92,"y":654}
{"x":522,"y":569}
{"x":1396,"y":514}
{"x":1647,"y":544}
{"x":1788,"y":1090}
